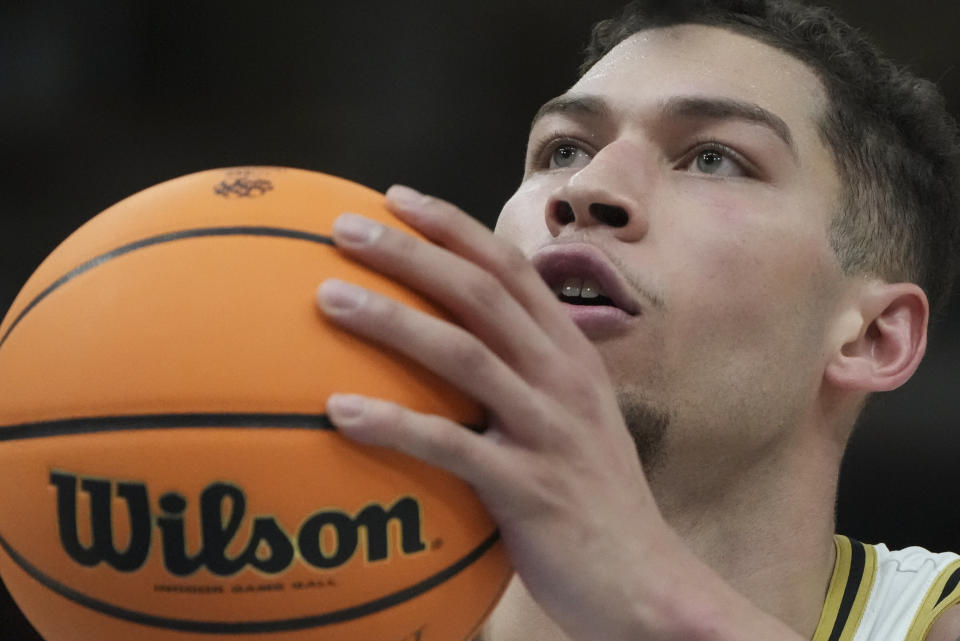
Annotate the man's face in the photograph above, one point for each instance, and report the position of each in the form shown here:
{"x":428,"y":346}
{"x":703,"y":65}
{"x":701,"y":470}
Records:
{"x":683,"y":179}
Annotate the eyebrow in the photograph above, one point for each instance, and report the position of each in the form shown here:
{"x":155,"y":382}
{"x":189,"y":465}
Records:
{"x":689,"y":107}
{"x":576,"y":104}
{"x":713,"y":108}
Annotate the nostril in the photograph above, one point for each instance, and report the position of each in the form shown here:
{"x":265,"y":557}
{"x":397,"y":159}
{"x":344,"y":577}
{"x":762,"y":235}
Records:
{"x":610,"y":214}
{"x":563,"y":212}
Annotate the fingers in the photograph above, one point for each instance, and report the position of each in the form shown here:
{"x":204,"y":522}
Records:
{"x":451,"y":228}
{"x":476,"y":298}
{"x":442,"y":347}
{"x":432,"y":439}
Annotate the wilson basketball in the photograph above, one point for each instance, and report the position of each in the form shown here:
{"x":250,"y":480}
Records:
{"x":167,"y":467}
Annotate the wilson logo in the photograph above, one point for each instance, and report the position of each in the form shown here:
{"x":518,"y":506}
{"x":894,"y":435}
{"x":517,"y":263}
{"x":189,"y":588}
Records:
{"x":222,"y":510}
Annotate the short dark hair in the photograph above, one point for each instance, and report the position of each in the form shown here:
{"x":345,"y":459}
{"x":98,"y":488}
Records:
{"x":896,"y":146}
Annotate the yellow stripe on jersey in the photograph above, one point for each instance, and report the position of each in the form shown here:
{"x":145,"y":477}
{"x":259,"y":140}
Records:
{"x":850,"y":586}
{"x":943,"y":593}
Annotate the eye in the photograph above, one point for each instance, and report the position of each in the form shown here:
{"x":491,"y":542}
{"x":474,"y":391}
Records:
{"x":568,"y":155}
{"x":557,"y":149}
{"x":715,"y":159}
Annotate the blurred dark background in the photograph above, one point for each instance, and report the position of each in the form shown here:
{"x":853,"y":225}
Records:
{"x":100,"y":99}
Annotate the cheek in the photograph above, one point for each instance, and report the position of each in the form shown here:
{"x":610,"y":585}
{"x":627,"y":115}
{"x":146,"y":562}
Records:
{"x":751,"y":243}
{"x":521,"y":220}
{"x":750,"y":278}
{"x":753,"y":323}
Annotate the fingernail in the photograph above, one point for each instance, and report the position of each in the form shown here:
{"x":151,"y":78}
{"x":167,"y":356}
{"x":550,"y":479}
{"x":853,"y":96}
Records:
{"x":345,"y":405}
{"x":357,"y":229}
{"x":337,"y":296}
{"x":403,"y":195}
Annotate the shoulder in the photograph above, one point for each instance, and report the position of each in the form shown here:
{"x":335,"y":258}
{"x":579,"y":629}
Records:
{"x":947,"y":626}
{"x":912,"y":597}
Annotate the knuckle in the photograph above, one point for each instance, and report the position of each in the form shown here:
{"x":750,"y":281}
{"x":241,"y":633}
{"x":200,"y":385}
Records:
{"x":446,"y":223}
{"x":443,"y":444}
{"x":432,"y":439}
{"x":484,"y":291}
{"x":440,"y":207}
{"x":470,"y":355}
{"x":432,"y":202}
{"x":385,"y":311}
{"x":580,"y":392}
{"x":403,"y":243}
{"x":390,"y":416}
{"x":389,"y":421}
{"x":513,"y":260}
{"x":442,"y":227}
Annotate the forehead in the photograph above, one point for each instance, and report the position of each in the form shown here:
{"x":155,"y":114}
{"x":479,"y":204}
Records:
{"x":653,"y":66}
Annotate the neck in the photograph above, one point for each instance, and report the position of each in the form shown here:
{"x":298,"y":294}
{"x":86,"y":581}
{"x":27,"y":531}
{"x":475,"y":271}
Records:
{"x":766,"y":527}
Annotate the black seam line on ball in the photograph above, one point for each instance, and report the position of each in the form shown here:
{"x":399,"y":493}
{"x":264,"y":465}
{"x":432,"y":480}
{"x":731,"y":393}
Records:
{"x":276,"y":232}
{"x":134,"y":422}
{"x":254,"y":627}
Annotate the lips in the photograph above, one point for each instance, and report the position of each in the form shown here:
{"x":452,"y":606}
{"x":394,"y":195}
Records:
{"x":580,"y":274}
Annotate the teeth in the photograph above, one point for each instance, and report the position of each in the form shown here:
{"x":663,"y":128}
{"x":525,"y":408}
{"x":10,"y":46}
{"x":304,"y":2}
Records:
{"x":571,"y":287}
{"x":590,"y":289}
{"x":584,"y":288}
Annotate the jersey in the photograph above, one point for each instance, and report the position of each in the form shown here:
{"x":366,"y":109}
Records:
{"x":877,"y":594}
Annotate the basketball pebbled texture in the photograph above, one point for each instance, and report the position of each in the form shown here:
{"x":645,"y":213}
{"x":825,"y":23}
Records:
{"x":168,"y":471}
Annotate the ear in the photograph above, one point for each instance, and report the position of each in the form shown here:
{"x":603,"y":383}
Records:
{"x":882,"y":339}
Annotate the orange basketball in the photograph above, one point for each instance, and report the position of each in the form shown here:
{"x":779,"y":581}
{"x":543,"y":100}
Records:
{"x":167,"y":468}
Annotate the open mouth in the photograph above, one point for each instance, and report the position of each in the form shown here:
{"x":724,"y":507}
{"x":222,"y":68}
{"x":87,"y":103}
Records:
{"x":581,"y":276}
{"x":582,"y":291}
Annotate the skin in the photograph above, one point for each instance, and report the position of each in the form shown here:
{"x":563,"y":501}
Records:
{"x":713,"y":246}
{"x":750,"y":339}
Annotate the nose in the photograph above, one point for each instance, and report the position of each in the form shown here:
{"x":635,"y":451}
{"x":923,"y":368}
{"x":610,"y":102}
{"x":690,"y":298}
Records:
{"x":602,"y":194}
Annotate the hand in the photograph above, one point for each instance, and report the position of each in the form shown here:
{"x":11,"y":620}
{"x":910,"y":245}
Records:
{"x":556,"y":466}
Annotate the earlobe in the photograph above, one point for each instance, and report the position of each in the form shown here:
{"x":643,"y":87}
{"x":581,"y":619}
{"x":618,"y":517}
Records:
{"x":886,"y":337}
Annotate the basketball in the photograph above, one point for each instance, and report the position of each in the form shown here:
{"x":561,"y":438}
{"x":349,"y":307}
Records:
{"x":167,"y":466}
